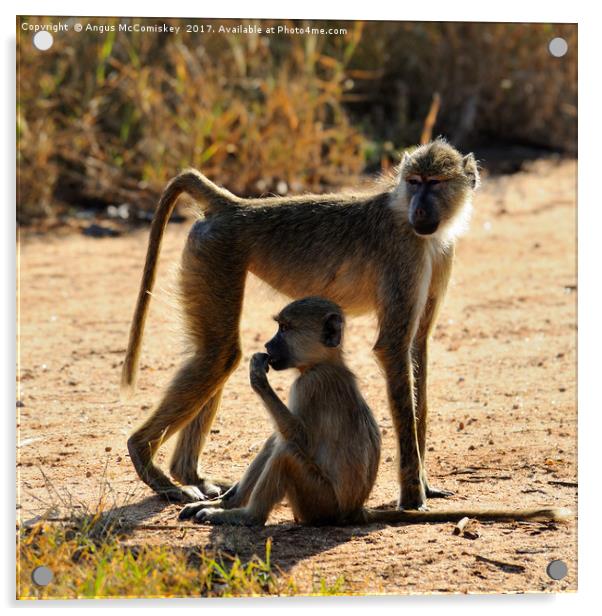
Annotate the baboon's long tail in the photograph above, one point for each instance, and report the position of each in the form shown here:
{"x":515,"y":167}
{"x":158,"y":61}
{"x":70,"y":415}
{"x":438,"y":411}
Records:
{"x":210,"y":197}
{"x":485,"y":515}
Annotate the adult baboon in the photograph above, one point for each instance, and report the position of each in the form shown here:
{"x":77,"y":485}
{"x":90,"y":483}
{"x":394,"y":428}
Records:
{"x":388,"y":250}
{"x":324,"y":453}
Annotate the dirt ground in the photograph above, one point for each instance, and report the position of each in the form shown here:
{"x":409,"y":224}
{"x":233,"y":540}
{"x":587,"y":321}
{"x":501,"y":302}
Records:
{"x":502,"y":400}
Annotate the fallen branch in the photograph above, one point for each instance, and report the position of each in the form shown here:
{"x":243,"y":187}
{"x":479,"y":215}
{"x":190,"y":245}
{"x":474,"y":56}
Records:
{"x":568,"y":484}
{"x":482,"y":478}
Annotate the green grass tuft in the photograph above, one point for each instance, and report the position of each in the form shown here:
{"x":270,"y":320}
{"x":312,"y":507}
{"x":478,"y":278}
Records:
{"x":90,"y":560}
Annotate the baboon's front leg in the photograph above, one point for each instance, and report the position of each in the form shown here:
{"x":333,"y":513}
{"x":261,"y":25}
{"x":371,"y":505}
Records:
{"x":420,"y":357}
{"x":420,"y":361}
{"x":393,"y":349}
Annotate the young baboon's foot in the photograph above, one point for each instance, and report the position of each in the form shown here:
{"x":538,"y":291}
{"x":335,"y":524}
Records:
{"x":437,"y":492}
{"x":238,"y":517}
{"x":228,"y":500}
{"x":190,"y":510}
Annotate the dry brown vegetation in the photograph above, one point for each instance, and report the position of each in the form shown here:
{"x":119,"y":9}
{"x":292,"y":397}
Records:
{"x":109,"y":118}
{"x":498,"y":82}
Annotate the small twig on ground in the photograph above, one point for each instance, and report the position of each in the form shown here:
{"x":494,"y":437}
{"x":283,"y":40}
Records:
{"x":508,"y":567}
{"x":481,"y":478}
{"x":459,"y":527}
{"x":470,"y":469}
{"x":468,"y":528}
{"x":568,"y":484}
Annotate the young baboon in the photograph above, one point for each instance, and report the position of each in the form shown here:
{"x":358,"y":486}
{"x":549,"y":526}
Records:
{"x":325,"y":450}
{"x":388,"y":250}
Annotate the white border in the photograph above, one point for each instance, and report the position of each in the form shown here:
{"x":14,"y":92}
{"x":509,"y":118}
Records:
{"x":440,"y":10}
{"x":590,"y":399}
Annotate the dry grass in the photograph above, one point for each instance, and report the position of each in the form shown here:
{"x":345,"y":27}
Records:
{"x":498,"y":82}
{"x":112,"y":118}
{"x":109,"y":118}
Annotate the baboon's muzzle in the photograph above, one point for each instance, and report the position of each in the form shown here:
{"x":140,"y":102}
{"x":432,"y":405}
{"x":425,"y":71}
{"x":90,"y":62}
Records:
{"x":427,"y":228}
{"x":278,"y":355}
{"x":423,"y":216}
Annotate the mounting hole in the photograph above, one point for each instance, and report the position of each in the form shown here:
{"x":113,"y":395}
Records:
{"x":557,"y":569}
{"x":42,"y":576}
{"x":42,"y":40}
{"x":558,"y":47}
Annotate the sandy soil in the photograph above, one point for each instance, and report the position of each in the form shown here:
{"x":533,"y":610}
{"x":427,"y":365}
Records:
{"x":502,"y":399}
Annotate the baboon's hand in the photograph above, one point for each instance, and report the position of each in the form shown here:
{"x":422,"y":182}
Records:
{"x":258,"y":371}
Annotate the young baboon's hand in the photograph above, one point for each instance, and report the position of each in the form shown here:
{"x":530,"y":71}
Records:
{"x":258,"y":371}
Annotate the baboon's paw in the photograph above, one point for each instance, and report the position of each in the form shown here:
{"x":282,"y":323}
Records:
{"x":192,"y":493}
{"x":211,"y":515}
{"x":223,"y":484}
{"x":211,"y":490}
{"x":415,"y":499}
{"x":190,"y":510}
{"x":207,"y":488}
{"x":437,"y":492}
{"x":181,"y":494}
{"x":223,"y":516}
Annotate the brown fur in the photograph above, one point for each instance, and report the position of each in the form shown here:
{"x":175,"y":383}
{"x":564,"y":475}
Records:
{"x":362,"y":251}
{"x":325,"y":451}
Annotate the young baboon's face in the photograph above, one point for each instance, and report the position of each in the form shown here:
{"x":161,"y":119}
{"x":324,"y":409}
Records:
{"x":309,"y":332}
{"x":439,"y":182}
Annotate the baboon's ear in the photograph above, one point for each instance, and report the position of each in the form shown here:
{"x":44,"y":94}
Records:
{"x":332,"y":330}
{"x":471,"y":170}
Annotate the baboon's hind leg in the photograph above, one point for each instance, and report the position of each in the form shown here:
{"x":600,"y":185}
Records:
{"x":212,"y":306}
{"x":200,"y":378}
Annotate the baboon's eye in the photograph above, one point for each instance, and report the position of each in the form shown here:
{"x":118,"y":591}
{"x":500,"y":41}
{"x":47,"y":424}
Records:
{"x":284,"y":327}
{"x":413,"y":182}
{"x":433,"y":182}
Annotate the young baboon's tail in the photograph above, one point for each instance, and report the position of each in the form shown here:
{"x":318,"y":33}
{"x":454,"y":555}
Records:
{"x":486,"y":515}
{"x":209,"y":197}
